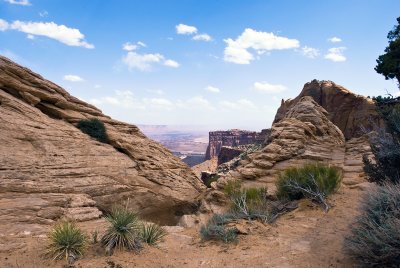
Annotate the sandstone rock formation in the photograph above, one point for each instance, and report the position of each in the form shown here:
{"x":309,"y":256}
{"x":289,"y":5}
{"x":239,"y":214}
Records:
{"x":50,"y":169}
{"x":232,"y":138}
{"x":303,"y":135}
{"x":350,"y":112}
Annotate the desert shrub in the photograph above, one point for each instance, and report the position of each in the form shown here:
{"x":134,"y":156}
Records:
{"x":217,"y":231}
{"x":210,"y":179}
{"x":386,"y":148}
{"x":151,"y":233}
{"x":251,"y":204}
{"x":123,"y":230}
{"x":314,"y":180}
{"x":95,"y":235}
{"x":66,"y":241}
{"x":232,"y":187}
{"x":375,"y":238}
{"x":94,"y":128}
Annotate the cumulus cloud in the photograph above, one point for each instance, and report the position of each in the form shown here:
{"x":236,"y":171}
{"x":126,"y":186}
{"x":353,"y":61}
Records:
{"x":202,"y":37}
{"x":61,"y":33}
{"x":128,"y":46}
{"x":43,"y":13}
{"x":212,"y":89}
{"x":335,"y":39}
{"x":144,"y":62}
{"x":335,"y":54}
{"x":19,"y":2}
{"x":185,"y":29}
{"x":236,"y":51}
{"x":3,"y":25}
{"x":159,"y":103}
{"x":171,"y":63}
{"x":310,"y":52}
{"x":72,"y":78}
{"x":265,"y":87}
{"x":122,"y":98}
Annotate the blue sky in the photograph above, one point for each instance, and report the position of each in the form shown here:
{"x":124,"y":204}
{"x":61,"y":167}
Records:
{"x":217,"y":64}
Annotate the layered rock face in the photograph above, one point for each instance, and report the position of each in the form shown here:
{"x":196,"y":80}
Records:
{"x":50,"y":169}
{"x":353,"y":114}
{"x":232,"y":138}
{"x":304,"y":133}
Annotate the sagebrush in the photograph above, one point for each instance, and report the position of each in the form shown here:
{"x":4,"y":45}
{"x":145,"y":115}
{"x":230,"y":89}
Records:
{"x":375,"y":237}
{"x":313,"y":180}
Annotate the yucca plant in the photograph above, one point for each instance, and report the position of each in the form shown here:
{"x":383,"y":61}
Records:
{"x":123,"y":230}
{"x":152,"y":233}
{"x":66,"y":241}
{"x":314,"y":180}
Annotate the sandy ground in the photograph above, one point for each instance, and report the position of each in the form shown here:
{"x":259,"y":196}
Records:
{"x":305,"y":237}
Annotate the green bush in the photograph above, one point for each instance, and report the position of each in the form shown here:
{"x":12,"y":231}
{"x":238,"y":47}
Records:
{"x":94,"y":128}
{"x":123,"y":231}
{"x":375,"y":238}
{"x":314,"y":180}
{"x":66,"y":241}
{"x":232,"y":187}
{"x":217,"y":231}
{"x":386,"y":148}
{"x":152,"y":233}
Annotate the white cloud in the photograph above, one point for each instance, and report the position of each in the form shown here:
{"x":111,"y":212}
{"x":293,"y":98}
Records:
{"x":29,"y":36}
{"x":310,"y":52}
{"x":336,"y":54}
{"x":43,"y":13}
{"x":185,"y":29}
{"x":237,"y":105}
{"x":268,"y":88}
{"x":335,"y":39}
{"x":159,"y":103}
{"x":213,"y":89}
{"x":124,"y":99}
{"x":236,"y":50}
{"x":156,"y":91}
{"x":143,"y":62}
{"x":19,"y":2}
{"x":61,"y":33}
{"x":72,"y":78}
{"x":129,"y":46}
{"x":4,"y":25}
{"x":171,"y":63}
{"x":202,"y":37}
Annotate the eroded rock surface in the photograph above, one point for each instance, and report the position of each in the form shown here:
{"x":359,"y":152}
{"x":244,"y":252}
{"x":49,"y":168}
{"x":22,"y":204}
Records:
{"x":50,"y":169}
{"x":353,"y":114}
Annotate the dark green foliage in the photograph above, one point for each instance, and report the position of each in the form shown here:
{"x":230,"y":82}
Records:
{"x":386,"y":148}
{"x":123,"y":230}
{"x":152,"y":233}
{"x":375,"y":238}
{"x":94,"y":128}
{"x":66,"y":241}
{"x":315,"y":181}
{"x":210,"y":179}
{"x":388,"y":64}
{"x":215,"y":230}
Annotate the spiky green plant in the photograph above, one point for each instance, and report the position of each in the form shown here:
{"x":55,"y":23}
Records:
{"x":66,"y":241}
{"x":232,"y":187}
{"x":314,"y":180}
{"x":123,"y":230}
{"x":152,"y":233}
{"x":212,"y":231}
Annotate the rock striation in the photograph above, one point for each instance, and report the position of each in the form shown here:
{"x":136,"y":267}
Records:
{"x":49,"y":169}
{"x":353,"y":114}
{"x":233,"y":138}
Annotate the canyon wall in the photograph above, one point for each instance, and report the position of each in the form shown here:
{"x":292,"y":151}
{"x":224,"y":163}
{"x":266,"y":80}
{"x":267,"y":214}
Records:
{"x":233,"y":138}
{"x":49,"y":169}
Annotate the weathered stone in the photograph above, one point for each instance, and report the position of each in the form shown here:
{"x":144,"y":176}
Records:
{"x":48,"y":166}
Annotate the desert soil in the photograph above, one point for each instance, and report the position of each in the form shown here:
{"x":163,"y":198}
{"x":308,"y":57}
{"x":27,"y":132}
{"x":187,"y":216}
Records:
{"x":305,"y":237}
